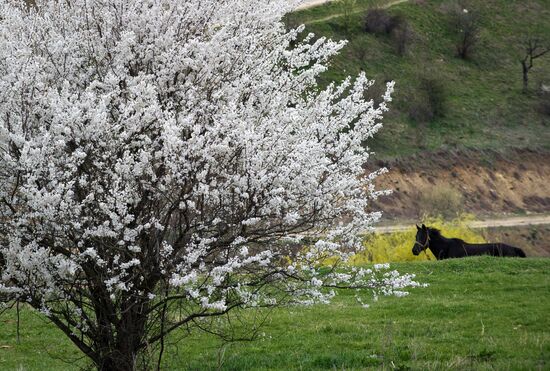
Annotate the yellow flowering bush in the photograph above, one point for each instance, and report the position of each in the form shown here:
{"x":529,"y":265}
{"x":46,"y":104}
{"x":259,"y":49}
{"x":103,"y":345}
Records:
{"x":397,"y":246}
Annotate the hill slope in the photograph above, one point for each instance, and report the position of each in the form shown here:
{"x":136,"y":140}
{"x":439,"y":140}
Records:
{"x":484,"y":107}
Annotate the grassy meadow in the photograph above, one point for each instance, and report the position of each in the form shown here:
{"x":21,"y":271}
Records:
{"x":478,"y":313}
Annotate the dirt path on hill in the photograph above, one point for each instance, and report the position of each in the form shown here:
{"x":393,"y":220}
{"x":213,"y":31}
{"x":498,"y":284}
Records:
{"x":313,"y":3}
{"x":516,"y":221}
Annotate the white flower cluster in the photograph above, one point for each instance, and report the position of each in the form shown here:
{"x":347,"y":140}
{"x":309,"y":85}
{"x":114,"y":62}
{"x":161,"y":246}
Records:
{"x":179,"y":143}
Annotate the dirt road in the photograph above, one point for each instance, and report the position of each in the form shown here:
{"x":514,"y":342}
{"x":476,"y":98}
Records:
{"x":313,"y":3}
{"x":516,"y":221}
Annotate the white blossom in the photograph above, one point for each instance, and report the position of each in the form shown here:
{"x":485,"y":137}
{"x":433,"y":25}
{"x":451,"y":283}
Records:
{"x":156,"y":151}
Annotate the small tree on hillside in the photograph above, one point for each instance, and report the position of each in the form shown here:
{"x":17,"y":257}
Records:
{"x":533,"y":48}
{"x":402,"y":36}
{"x":380,"y":21}
{"x":465,"y":25}
{"x":430,"y":99}
{"x":347,"y":9}
{"x":161,"y":161}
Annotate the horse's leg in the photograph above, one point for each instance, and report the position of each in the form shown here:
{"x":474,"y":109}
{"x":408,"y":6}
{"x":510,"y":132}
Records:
{"x":496,"y":249}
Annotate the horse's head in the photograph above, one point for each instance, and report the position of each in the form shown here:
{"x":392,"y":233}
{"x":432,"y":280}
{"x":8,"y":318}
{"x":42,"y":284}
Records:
{"x":422,"y":240}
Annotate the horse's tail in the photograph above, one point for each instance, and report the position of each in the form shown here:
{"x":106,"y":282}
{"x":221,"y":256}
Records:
{"x":519,"y":252}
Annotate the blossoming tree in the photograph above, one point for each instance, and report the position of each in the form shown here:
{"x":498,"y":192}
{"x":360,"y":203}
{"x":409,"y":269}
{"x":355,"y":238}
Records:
{"x":161,"y":162}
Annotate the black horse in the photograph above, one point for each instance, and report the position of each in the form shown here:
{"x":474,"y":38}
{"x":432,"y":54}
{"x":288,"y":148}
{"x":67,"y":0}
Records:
{"x":445,"y":248}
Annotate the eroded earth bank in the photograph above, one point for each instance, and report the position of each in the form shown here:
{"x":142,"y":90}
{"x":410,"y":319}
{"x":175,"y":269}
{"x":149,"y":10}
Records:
{"x":488,"y":184}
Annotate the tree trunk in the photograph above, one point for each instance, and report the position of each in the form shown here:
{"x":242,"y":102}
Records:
{"x":121,"y":355}
{"x":525,"y":76}
{"x":118,"y":362}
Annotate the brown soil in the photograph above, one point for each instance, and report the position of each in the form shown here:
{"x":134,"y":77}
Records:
{"x":534,"y":240}
{"x":488,"y":183}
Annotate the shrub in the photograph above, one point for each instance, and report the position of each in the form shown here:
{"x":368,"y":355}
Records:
{"x":442,"y":201}
{"x":358,"y":50}
{"x":347,"y":10}
{"x":430,"y":100}
{"x":402,"y":35}
{"x":544,"y":106}
{"x":464,"y":23}
{"x":544,"y":102}
{"x":380,"y":21}
{"x":133,"y":203}
{"x":396,"y":247}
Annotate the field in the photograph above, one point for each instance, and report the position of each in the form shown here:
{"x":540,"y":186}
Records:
{"x":486,"y":153}
{"x":477,"y":313}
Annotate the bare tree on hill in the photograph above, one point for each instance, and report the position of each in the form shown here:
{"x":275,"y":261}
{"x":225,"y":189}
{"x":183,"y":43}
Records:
{"x":465,"y":23}
{"x":534,"y":47}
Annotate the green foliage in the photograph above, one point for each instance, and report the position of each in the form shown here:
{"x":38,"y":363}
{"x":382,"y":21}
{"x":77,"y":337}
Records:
{"x":480,"y":313}
{"x":397,"y":247}
{"x":346,"y":8}
{"x":430,"y":101}
{"x":379,"y":21}
{"x":443,"y":200}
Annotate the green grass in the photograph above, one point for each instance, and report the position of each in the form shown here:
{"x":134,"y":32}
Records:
{"x":477,"y":313}
{"x":485,"y":108}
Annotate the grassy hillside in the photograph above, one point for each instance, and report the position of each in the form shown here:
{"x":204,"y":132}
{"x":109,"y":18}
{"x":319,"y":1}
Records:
{"x":477,"y":313}
{"x":485,"y":107}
